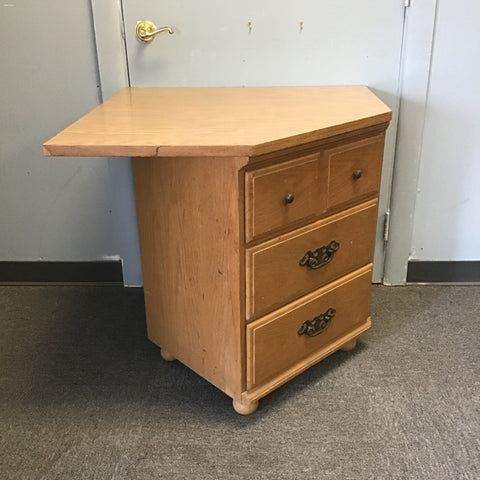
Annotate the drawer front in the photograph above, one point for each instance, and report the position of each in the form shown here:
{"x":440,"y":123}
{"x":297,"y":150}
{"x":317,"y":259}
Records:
{"x":286,"y":193}
{"x":274,"y":343}
{"x":355,"y":170}
{"x":299,"y":262}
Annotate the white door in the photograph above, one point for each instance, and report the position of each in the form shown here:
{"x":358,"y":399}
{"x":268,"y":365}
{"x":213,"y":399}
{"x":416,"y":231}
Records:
{"x":447,"y":190}
{"x":274,"y":42}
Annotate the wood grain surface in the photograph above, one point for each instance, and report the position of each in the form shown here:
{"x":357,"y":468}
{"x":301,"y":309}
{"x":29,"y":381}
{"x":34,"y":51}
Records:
{"x":252,"y":395}
{"x":266,"y":208}
{"x":274,"y":276}
{"x":190,"y":239}
{"x":273,"y":342}
{"x":364,"y":157}
{"x":152,"y":122}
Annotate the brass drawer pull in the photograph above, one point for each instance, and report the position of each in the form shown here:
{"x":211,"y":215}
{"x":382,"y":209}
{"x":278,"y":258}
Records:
{"x":318,"y":324}
{"x":289,"y":198}
{"x":319,"y":257}
{"x":357,"y":174}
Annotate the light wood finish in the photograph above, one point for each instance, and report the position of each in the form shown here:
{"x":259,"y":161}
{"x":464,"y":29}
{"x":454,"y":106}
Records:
{"x":266,"y":189}
{"x":346,"y":347}
{"x":220,"y":246}
{"x":264,"y":389}
{"x":273,"y":342}
{"x":365,"y":157}
{"x":243,"y":406}
{"x":188,"y":220}
{"x":274,"y":275}
{"x":150,"y":122}
{"x":167,"y":356}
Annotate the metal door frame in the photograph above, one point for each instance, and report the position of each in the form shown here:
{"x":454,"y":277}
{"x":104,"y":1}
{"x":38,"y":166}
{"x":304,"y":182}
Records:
{"x":108,"y":28}
{"x":413,"y":90}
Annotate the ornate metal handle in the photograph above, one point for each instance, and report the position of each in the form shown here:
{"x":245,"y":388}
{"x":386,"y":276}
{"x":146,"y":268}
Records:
{"x":319,"y":257}
{"x":318,"y":324}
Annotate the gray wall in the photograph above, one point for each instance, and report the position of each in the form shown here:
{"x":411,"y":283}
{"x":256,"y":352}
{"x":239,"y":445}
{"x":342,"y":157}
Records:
{"x":75,"y":209}
{"x":53,"y":208}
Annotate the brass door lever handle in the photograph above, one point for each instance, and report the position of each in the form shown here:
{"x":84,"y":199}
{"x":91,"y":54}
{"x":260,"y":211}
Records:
{"x":146,"y":31}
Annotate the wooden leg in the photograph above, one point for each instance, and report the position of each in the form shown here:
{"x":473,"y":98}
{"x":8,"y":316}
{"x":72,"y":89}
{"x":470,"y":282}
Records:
{"x":244,"y":407}
{"x":349,"y":345}
{"x":167,"y":356}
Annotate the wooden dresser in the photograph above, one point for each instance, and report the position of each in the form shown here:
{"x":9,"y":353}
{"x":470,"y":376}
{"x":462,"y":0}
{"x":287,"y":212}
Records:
{"x":257,"y":210}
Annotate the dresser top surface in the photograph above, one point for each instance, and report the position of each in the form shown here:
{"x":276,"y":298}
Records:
{"x":228,"y":121}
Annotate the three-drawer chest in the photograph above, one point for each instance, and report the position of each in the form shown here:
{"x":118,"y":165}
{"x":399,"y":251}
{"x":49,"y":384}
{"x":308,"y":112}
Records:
{"x":257,"y":211}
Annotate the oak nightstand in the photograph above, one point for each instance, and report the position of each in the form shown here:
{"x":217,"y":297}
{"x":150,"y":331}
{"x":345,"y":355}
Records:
{"x":256,"y":211}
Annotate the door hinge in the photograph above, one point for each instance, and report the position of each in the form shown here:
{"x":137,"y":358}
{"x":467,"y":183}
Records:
{"x":386,"y":225}
{"x":407,"y":3}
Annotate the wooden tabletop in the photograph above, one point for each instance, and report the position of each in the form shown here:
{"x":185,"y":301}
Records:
{"x":148,"y":122}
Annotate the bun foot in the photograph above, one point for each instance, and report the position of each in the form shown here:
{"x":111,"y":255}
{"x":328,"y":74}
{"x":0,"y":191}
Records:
{"x":346,"y":347}
{"x":167,"y":356}
{"x":244,"y":407}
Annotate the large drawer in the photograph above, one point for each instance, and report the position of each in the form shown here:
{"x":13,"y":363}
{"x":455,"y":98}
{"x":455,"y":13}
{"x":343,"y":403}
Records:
{"x":283,"y":194}
{"x":274,"y":343}
{"x":299,"y":262}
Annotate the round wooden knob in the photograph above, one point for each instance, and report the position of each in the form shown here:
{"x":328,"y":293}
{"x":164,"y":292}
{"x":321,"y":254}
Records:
{"x":289,"y":198}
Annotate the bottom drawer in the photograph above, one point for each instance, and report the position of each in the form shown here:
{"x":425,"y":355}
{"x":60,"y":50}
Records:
{"x":285,"y":337}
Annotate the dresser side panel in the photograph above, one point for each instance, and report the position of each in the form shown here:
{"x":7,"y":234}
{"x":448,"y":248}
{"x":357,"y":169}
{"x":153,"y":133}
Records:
{"x":190,"y":214}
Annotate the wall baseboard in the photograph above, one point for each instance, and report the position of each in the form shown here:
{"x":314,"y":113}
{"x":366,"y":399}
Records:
{"x":443,"y":272}
{"x":110,"y":272}
{"x":61,"y":273}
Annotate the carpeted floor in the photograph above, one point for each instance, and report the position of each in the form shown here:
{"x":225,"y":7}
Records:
{"x":85,"y":395}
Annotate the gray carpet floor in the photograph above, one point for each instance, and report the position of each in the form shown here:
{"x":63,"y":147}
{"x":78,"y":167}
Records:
{"x":85,"y":395}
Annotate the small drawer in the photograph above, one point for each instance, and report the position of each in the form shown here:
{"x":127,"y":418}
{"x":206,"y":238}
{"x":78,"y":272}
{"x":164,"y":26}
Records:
{"x":285,"y":193}
{"x":355,"y":170}
{"x":301,"y":261}
{"x":284,"y":338}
